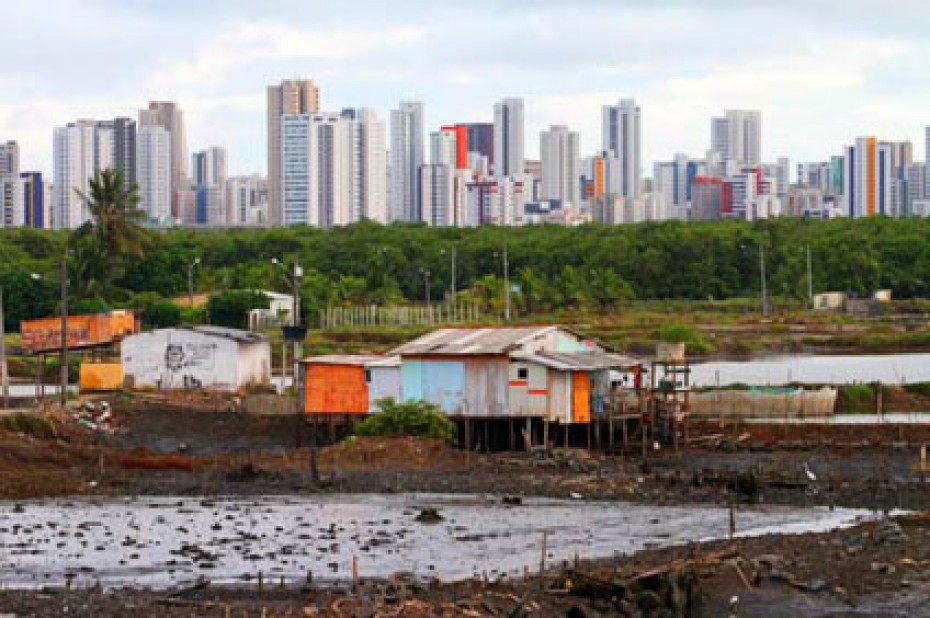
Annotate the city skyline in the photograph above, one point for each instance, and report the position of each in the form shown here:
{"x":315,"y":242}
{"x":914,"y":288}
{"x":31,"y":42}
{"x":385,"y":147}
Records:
{"x":853,"y":58}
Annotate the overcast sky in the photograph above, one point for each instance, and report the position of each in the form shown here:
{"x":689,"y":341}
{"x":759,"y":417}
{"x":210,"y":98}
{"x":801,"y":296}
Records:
{"x":822,"y":71}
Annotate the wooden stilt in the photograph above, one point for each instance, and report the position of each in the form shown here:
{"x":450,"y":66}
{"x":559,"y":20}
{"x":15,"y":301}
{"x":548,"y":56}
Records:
{"x":487,"y":435}
{"x":565,"y":433}
{"x":468,"y":434}
{"x":513,"y":435}
{"x":546,"y":433}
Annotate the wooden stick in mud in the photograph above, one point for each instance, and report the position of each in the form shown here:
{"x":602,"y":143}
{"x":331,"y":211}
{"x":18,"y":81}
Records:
{"x":542,"y":558}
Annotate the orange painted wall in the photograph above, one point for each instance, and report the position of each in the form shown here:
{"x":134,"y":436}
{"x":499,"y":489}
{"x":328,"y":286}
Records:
{"x":581,"y":397}
{"x":101,"y":377}
{"x":45,"y":333}
{"x":335,"y":389}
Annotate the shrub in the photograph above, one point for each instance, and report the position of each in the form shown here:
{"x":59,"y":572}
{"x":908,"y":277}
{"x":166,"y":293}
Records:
{"x":28,"y":425}
{"x":677,"y":332}
{"x":409,"y":418}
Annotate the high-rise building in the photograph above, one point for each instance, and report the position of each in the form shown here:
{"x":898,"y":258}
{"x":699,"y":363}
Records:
{"x":9,"y":159}
{"x":407,"y":155}
{"x":508,"y":138}
{"x":168,"y":115}
{"x":558,"y":149}
{"x":737,"y":136}
{"x":10,"y":205}
{"x":291,"y":97}
{"x":116,"y":143}
{"x":599,"y":175}
{"x":153,"y":171}
{"x":247,"y":200}
{"x":868,"y":178}
{"x":621,"y":134}
{"x":437,"y":194}
{"x":333,"y":168}
{"x":209,"y":167}
{"x":902,"y":155}
{"x":34,"y":191}
{"x":74,"y":162}
{"x":480,"y":138}
{"x":711,"y":198}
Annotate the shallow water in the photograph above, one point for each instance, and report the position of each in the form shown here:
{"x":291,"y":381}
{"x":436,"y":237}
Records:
{"x":164,"y":542}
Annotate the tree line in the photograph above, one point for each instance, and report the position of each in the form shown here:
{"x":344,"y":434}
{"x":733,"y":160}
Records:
{"x":591,"y":267}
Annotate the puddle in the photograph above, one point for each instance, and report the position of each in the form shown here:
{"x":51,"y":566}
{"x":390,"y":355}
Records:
{"x":162,"y":542}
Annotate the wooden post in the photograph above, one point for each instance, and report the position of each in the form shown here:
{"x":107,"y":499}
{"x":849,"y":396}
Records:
{"x":487,"y":435}
{"x":467,"y":434}
{"x":546,"y":433}
{"x":513,"y":435}
{"x":610,"y":431}
{"x":542,"y":558}
{"x":589,"y":435}
{"x":355,"y":574}
{"x":565,"y":433}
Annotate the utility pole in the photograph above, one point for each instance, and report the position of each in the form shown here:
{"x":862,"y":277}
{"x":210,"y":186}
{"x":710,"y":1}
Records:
{"x":190,"y":282}
{"x":4,"y":374}
{"x":765,"y":298}
{"x":453,"y":275}
{"x":63,"y":359}
{"x":506,"y":286}
{"x":810,"y":278}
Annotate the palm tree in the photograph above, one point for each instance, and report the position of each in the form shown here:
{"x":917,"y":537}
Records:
{"x":113,"y":232}
{"x":115,"y":223}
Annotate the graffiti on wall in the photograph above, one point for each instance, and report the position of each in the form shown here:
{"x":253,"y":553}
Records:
{"x":184,"y":360}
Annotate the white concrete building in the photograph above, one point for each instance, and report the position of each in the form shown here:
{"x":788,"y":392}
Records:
{"x":621,"y":135}
{"x":292,"y":97}
{"x":77,"y":153}
{"x":198,"y":357}
{"x":407,"y":155}
{"x":209,"y":167}
{"x":737,"y":136}
{"x":153,"y":171}
{"x":558,"y":150}
{"x":509,"y":157}
{"x":247,"y":201}
{"x":168,"y":115}
{"x":333,"y":167}
{"x":437,"y":194}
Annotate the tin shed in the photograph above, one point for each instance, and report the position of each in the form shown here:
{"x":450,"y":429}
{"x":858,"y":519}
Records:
{"x":348,"y":384}
{"x":545,"y":372}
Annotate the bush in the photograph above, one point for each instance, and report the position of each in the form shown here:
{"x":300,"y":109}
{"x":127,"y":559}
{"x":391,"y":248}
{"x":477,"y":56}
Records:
{"x":410,"y":418}
{"x":156,"y":311}
{"x":231,"y":308}
{"x":695,"y":341}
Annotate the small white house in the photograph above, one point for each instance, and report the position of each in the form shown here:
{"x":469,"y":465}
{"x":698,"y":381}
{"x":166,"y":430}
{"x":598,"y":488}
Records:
{"x":193,"y":357}
{"x":280,"y":311}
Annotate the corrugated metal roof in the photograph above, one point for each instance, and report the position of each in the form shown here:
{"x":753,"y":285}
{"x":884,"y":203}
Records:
{"x":359,"y":360}
{"x":472,"y":341}
{"x":579,"y":361}
{"x":241,"y":336}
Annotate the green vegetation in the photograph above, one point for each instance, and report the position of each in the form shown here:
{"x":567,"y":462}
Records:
{"x":410,"y":418}
{"x":29,"y":425}
{"x":695,"y":341}
{"x":554,"y":270}
{"x":231,"y":308}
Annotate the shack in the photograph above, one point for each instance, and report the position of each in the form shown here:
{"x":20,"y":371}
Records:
{"x":196,"y":357}
{"x":516,"y":386}
{"x":344,"y":388}
{"x":84,"y":331}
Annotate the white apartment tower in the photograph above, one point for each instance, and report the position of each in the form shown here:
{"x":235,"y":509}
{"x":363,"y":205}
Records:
{"x":153,"y":171}
{"x":209,"y":167}
{"x":437,"y":194}
{"x":407,"y":155}
{"x":333,"y":168}
{"x":508,"y":138}
{"x":292,"y":97}
{"x":558,"y":149}
{"x":737,"y":136}
{"x":168,"y":115}
{"x":76,"y":154}
{"x":621,"y":134}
